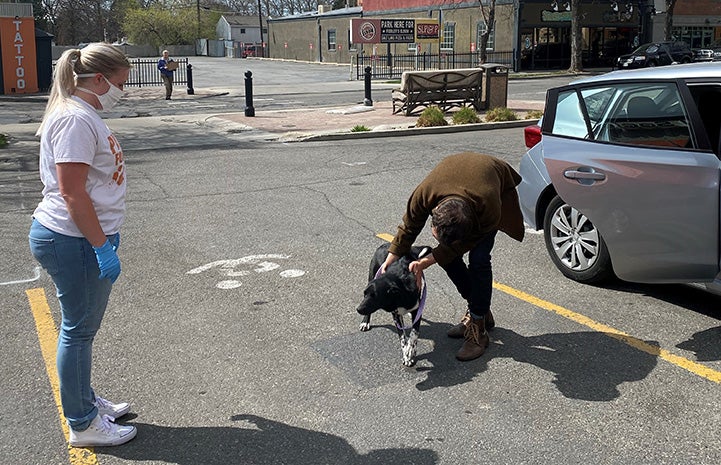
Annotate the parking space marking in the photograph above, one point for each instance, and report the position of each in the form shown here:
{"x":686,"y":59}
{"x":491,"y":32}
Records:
{"x":48,"y":339}
{"x":681,"y":362}
{"x":689,"y":365}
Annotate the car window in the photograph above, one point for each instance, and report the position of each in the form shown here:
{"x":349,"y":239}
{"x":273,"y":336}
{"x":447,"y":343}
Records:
{"x":639,"y":114}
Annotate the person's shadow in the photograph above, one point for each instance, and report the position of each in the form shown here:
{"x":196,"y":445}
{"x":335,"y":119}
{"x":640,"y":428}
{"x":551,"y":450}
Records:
{"x":587,"y":365}
{"x":258,"y":441}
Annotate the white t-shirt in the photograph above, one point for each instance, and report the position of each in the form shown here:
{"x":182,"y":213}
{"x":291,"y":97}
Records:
{"x":75,"y":133}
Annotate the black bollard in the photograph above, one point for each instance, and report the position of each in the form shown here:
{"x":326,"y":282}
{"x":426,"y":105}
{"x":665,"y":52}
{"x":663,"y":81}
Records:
{"x":189,"y":68}
{"x":249,"y":110}
{"x":368,"y":101}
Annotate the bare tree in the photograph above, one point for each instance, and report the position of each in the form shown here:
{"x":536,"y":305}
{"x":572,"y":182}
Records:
{"x":488,"y":12}
{"x":668,"y":25}
{"x":576,"y":42}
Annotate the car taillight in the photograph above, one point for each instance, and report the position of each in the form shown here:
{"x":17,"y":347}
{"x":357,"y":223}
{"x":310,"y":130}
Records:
{"x":532,"y":135}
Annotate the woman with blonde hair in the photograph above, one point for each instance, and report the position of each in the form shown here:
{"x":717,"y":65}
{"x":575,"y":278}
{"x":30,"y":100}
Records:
{"x":75,"y":231}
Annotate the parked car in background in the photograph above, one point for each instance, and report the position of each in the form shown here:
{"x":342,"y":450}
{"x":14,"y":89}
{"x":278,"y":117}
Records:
{"x":656,"y":54}
{"x":710,"y":53}
{"x":703,"y":54}
{"x":623,"y":176}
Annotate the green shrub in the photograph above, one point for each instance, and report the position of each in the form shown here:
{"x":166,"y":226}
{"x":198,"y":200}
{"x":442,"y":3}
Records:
{"x":466,"y":115}
{"x":360,"y":128}
{"x":501,"y":114}
{"x":431,"y":116}
{"x":3,"y":140}
{"x":534,"y":114}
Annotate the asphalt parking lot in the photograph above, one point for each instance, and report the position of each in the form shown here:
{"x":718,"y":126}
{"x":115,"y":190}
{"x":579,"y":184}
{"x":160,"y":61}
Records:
{"x":233,"y":331}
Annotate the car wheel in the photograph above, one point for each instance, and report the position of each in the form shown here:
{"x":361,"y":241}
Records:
{"x":651,"y":64}
{"x":575,"y":245}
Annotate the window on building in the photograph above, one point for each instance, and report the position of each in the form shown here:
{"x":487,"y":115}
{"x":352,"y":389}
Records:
{"x":481,"y":28}
{"x":412,"y":47}
{"x":242,"y":30}
{"x":695,"y":36}
{"x":449,"y":36}
{"x":332,"y":45}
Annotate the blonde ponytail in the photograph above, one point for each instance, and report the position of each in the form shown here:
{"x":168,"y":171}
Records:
{"x":95,"y":58}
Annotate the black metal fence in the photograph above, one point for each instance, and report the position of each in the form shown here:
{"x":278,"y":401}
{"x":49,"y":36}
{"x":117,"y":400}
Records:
{"x":383,"y":68}
{"x":145,"y":72}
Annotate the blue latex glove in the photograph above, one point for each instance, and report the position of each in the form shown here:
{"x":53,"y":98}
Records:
{"x":108,"y":261}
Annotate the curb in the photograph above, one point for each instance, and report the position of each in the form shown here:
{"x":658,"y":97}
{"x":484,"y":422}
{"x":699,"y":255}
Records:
{"x":413,"y":131}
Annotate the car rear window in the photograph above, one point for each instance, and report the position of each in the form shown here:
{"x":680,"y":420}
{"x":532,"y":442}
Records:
{"x":650,"y":115}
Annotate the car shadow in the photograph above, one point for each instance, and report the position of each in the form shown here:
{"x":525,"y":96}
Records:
{"x":586,"y":365}
{"x":258,"y":441}
{"x":704,"y":344}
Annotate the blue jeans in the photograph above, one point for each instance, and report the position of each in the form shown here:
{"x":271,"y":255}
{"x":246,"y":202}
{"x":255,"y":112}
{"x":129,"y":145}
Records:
{"x":71,"y":263}
{"x":475,"y":281}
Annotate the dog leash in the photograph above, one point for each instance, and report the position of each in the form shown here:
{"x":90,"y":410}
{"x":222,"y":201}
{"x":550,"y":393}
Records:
{"x":421,"y":302}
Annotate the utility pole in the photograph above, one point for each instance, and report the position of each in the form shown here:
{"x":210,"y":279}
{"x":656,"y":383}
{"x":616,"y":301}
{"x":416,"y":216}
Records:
{"x":197,"y":6}
{"x":260,"y":20}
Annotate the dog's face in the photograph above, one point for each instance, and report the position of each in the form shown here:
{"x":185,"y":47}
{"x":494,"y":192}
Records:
{"x":394,"y":290}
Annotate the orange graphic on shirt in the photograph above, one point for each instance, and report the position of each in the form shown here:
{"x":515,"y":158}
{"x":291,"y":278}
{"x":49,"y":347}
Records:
{"x":118,"y":176}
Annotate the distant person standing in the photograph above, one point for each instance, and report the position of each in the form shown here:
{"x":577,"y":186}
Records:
{"x":167,"y":67}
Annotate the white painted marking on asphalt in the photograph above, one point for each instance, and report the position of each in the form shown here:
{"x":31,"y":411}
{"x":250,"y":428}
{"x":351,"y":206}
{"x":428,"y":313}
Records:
{"x":21,"y":281}
{"x":357,"y":163}
{"x":259,"y":264}
{"x":292,"y":273}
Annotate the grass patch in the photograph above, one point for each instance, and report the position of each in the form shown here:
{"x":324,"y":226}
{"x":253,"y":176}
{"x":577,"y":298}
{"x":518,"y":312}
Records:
{"x":3,"y":140}
{"x":501,"y":114}
{"x":431,"y":116}
{"x":534,"y":114}
{"x":360,"y":128}
{"x":466,"y":115}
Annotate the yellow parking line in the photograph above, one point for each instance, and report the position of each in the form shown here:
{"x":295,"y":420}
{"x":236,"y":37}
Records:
{"x":48,"y":338}
{"x":695,"y":368}
{"x":688,"y":365}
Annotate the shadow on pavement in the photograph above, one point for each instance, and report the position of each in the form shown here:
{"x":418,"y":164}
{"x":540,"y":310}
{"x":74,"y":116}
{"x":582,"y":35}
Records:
{"x":258,"y":441}
{"x":587,"y":365}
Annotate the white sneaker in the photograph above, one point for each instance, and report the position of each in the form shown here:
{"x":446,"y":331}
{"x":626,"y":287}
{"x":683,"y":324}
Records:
{"x":105,"y":407}
{"x":102,"y":432}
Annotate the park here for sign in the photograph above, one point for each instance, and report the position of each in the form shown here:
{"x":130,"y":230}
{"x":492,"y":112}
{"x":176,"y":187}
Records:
{"x":394,"y":31}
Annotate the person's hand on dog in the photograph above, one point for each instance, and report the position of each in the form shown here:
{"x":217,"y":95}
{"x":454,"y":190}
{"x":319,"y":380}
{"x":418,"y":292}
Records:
{"x":389,"y":259}
{"x":418,"y":266}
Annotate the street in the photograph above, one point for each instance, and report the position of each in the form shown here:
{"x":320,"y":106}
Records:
{"x":232,"y":329}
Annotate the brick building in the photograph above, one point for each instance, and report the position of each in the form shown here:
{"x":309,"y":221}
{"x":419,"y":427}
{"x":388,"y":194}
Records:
{"x":534,"y":34}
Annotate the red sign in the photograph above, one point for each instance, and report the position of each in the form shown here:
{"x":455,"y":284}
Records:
{"x":365,"y":31}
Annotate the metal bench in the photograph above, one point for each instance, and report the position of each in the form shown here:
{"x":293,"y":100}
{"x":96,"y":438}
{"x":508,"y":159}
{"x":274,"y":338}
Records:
{"x":446,"y":89}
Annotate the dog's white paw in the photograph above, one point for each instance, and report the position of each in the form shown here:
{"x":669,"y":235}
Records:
{"x":408,"y":348}
{"x":364,"y":326}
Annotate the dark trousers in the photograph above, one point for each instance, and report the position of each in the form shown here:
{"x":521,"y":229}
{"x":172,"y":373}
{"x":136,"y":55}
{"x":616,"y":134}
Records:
{"x":475,"y":281}
{"x":168,"y":81}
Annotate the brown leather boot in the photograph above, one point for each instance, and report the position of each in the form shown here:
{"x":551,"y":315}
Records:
{"x":476,"y":341}
{"x":459,"y":330}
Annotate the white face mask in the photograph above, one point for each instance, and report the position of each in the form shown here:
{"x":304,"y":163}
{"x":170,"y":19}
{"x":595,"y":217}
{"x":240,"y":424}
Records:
{"x":109,"y":98}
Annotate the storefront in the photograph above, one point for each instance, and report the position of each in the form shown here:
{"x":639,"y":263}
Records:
{"x":608,"y":29}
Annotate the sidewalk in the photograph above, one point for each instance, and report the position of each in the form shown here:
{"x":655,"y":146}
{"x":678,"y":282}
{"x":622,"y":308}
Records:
{"x":291,"y":124}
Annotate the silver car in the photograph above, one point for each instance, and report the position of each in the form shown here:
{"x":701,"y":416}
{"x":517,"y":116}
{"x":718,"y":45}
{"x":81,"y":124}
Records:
{"x":623,"y":176}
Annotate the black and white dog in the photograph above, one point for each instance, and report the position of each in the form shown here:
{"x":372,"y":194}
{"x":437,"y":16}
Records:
{"x":395,"y":291}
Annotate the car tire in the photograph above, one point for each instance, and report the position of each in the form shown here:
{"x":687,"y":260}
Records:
{"x":575,"y":245}
{"x":651,"y":64}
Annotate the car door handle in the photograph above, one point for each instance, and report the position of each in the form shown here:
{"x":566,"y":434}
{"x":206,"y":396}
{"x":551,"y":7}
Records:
{"x":582,"y":174}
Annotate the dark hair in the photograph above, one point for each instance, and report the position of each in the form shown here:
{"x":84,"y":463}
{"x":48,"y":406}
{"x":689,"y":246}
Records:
{"x":452,"y":219}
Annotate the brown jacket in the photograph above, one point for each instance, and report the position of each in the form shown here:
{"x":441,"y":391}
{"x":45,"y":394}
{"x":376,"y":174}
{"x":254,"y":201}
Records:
{"x":485,"y":182}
